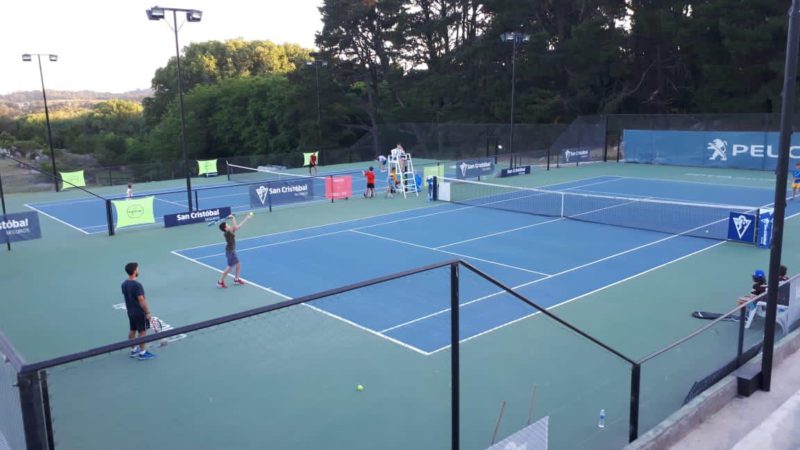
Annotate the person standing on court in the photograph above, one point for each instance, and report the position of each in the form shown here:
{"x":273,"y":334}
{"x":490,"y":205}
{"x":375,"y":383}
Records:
{"x":138,"y":311}
{"x":370,"y":176}
{"x":230,"y":250}
{"x":312,"y":163}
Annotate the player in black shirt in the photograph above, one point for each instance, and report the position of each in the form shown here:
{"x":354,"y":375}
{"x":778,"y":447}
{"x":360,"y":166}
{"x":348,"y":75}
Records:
{"x":138,"y":311}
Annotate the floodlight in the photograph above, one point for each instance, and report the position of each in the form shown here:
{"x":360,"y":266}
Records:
{"x":155,"y":13}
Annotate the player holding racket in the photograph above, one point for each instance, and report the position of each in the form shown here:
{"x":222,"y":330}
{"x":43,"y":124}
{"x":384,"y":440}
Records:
{"x":138,"y":311}
{"x":230,"y":249}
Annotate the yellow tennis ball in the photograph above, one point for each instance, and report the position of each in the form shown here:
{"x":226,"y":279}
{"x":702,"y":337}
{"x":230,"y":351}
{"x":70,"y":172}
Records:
{"x":359,"y":388}
{"x":250,"y":214}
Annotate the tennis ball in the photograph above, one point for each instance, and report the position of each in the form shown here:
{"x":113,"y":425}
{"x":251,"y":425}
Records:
{"x":251,"y":214}
{"x":359,"y":388}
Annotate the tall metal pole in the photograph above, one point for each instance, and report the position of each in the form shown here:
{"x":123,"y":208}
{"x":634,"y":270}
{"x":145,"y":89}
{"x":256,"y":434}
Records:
{"x":513,"y":84}
{"x":3,"y":201}
{"x":49,"y":131}
{"x":183,"y":114}
{"x":319,"y":108}
{"x":782,"y":172}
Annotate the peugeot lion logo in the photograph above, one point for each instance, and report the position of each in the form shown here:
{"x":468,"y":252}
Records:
{"x":463,"y":168}
{"x":720,"y":148}
{"x":742,"y":223}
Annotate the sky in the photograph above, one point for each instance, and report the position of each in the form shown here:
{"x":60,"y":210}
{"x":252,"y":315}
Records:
{"x":111,"y":46}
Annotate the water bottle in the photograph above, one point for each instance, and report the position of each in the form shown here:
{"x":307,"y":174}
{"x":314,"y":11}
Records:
{"x":601,"y":421}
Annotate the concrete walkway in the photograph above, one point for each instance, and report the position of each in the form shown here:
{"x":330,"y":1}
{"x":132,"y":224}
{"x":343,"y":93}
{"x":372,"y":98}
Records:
{"x":763,"y":421}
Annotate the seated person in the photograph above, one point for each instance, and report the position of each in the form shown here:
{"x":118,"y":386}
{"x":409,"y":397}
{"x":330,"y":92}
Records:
{"x":392,"y":183}
{"x":758,"y":288}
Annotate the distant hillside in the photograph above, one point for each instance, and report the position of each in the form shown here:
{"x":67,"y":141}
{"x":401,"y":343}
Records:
{"x":20,"y":103}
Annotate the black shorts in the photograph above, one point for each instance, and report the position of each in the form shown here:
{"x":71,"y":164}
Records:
{"x":137,"y":323}
{"x":370,"y":185}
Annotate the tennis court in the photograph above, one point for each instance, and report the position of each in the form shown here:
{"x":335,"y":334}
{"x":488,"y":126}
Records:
{"x":286,"y":379}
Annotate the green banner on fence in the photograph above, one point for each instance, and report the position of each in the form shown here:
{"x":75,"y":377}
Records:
{"x":208,"y":167}
{"x":134,"y":211}
{"x":433,"y":171}
{"x":72,"y":179}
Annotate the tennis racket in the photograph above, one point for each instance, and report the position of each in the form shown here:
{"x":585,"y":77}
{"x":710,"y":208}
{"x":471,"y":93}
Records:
{"x":156,"y":324}
{"x":222,"y":219}
{"x":711,"y":316}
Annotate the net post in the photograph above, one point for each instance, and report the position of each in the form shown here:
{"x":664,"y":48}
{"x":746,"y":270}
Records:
{"x":269,"y":198}
{"x":333,"y":192}
{"x":455,"y":366}
{"x":196,"y":201}
{"x":740,"y":349}
{"x":633,"y":424}
{"x":35,"y":417}
{"x":3,"y":201}
{"x":109,"y":218}
{"x":548,"y":159}
{"x":228,"y":169}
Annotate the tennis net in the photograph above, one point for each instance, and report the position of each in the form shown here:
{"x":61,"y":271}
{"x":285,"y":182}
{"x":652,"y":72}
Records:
{"x":331,"y":185}
{"x":672,"y":217}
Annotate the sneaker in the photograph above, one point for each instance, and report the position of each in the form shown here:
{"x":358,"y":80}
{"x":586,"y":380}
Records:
{"x":146,"y":355}
{"x":133,"y":353}
{"x":221,"y":284}
{"x":238,"y":281}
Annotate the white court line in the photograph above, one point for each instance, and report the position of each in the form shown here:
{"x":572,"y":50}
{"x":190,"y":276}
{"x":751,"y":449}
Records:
{"x":569,"y":300}
{"x":701,"y":183}
{"x":498,"y":233}
{"x":450,"y":253}
{"x":314,"y":308}
{"x":56,"y":219}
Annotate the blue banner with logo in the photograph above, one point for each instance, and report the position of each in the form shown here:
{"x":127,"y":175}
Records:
{"x":575,"y":155}
{"x":20,"y":227}
{"x":742,"y":228}
{"x":522,"y":170}
{"x":202,"y":215}
{"x":281,"y":192}
{"x":765,"y":218}
{"x":726,"y":149}
{"x":474,"y":168}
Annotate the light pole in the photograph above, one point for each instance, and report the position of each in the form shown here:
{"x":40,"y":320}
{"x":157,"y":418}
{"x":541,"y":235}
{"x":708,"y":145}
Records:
{"x":192,"y":15}
{"x":316,"y":64}
{"x":515,"y":38}
{"x":28,"y":57}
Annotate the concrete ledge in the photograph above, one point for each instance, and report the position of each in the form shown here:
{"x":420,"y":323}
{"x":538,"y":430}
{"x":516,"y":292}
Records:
{"x":680,"y":423}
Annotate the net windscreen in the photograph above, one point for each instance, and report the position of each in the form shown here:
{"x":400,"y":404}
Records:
{"x":671,"y":217}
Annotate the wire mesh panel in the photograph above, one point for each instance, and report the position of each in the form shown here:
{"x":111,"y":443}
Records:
{"x":671,"y":379}
{"x":12,"y":433}
{"x":530,"y":367}
{"x":301,"y":377}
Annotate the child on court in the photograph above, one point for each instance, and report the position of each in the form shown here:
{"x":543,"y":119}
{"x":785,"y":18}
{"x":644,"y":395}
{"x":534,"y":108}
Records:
{"x":230,"y":249}
{"x":795,"y":180}
{"x":370,"y":176}
{"x":391,"y":183}
{"x":129,"y":192}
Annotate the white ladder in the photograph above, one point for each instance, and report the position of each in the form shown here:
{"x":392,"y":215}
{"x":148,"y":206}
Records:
{"x":409,"y":179}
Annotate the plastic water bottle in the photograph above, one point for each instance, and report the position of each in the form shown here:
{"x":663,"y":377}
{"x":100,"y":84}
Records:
{"x":601,"y":421}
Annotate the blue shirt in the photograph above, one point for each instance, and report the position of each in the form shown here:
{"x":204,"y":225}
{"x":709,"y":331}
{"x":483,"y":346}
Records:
{"x":796,"y":175}
{"x":131,"y":290}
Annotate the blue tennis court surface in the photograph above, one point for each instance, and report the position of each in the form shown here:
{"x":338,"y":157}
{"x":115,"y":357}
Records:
{"x":549,"y":260}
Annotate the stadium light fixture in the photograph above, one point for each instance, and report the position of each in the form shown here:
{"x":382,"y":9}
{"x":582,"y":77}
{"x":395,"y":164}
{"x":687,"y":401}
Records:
{"x":192,"y":15}
{"x":515,"y":38}
{"x":28,"y":57}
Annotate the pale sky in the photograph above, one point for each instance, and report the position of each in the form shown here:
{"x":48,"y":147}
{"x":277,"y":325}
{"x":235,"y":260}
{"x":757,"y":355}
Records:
{"x":111,"y":46}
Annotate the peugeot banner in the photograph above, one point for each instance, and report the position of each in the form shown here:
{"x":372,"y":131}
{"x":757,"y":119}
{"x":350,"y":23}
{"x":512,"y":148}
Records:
{"x":727,"y":149}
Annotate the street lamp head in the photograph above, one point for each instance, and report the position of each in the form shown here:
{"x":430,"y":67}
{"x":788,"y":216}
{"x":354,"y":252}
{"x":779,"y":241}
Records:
{"x":194,"y":15}
{"x":53,"y":58}
{"x":26,"y":57}
{"x":155,"y":13}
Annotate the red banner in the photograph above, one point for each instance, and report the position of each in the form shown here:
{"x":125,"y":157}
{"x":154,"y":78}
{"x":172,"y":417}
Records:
{"x":339,"y":187}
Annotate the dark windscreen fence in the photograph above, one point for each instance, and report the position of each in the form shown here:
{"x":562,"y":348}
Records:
{"x":583,"y":141}
{"x":681,"y":218}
